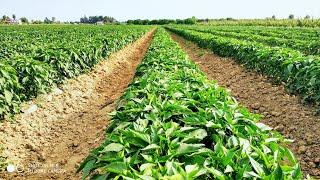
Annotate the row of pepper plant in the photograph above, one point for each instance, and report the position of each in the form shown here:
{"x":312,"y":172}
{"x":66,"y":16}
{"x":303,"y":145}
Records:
{"x":173,"y":123}
{"x":298,"y":72}
{"x":281,"y":32}
{"x":35,"y":58}
{"x":279,"y":23}
{"x":306,"y":46}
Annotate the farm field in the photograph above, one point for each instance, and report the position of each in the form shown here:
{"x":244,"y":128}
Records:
{"x":34,"y":58}
{"x":159,"y":102}
{"x":297,"y":69}
{"x":283,"y":112}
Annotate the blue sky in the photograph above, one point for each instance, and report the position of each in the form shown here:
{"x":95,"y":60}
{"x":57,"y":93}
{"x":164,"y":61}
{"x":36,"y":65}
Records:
{"x":71,"y":10}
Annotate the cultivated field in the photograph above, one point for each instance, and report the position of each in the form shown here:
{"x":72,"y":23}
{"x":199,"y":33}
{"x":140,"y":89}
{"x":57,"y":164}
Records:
{"x":159,"y":102}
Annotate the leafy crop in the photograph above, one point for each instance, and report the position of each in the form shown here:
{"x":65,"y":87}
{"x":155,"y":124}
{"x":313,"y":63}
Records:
{"x":9,"y":90}
{"x":307,"y":46}
{"x":173,"y":123}
{"x":300,"y":73}
{"x":34,"y":58}
{"x":284,"y":23}
{"x":279,"y":32}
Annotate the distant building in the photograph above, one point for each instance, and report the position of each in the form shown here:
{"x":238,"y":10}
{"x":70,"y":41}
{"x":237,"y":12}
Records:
{"x":7,"y":22}
{"x":11,"y":21}
{"x":100,"y":23}
{"x":18,"y":22}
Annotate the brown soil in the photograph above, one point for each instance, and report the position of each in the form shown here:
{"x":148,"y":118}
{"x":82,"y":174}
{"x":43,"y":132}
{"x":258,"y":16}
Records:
{"x":282,"y":111}
{"x":51,"y":142}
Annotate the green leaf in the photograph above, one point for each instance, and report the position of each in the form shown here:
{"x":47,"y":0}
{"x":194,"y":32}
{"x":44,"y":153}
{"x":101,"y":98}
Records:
{"x":296,"y":174}
{"x":263,"y":127}
{"x":251,"y":174}
{"x":217,"y":174}
{"x":268,"y":140}
{"x":290,"y":156}
{"x":100,"y":177}
{"x":146,"y":166}
{"x":87,"y":168}
{"x":187,"y":148}
{"x":116,"y":167}
{"x":278,"y":174}
{"x":142,"y":136}
{"x":191,"y":168}
{"x":8,"y":95}
{"x":228,"y":169}
{"x":116,"y":147}
{"x":256,"y":166}
{"x":198,"y":134}
{"x":148,"y":158}
{"x":228,"y":158}
{"x":151,"y":146}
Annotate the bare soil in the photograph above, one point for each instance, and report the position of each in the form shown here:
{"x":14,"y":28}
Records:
{"x":282,"y":111}
{"x":51,"y":142}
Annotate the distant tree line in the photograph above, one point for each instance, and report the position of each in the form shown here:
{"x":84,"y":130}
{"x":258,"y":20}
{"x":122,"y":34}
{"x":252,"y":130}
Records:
{"x":273,"y":17}
{"x":13,"y":19}
{"x":192,"y":20}
{"x":23,"y":20}
{"x":87,"y":20}
{"x":291,"y":21}
{"x":96,"y":19}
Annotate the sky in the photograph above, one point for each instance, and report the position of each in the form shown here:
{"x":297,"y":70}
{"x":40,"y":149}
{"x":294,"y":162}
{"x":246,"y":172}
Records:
{"x":122,"y":10}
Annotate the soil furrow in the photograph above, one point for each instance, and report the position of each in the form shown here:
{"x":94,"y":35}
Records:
{"x":69,"y":122}
{"x":282,"y":111}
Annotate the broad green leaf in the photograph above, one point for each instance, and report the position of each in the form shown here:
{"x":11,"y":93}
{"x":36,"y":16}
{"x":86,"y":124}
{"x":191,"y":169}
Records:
{"x":256,"y":166}
{"x":191,"y":168}
{"x":228,"y":169}
{"x":198,"y":134}
{"x":87,"y":168}
{"x":278,"y":174}
{"x":146,"y":166}
{"x":116,"y":167}
{"x":217,"y":174}
{"x":250,"y":175}
{"x":187,"y":148}
{"x":263,"y":127}
{"x":116,"y":147}
{"x":8,"y":95}
{"x":151,"y":146}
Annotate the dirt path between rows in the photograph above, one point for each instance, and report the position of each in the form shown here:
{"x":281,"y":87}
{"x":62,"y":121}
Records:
{"x":282,"y":111}
{"x":51,"y":142}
